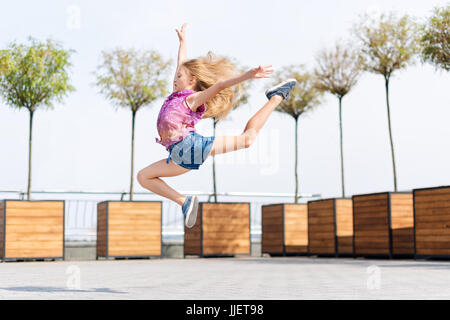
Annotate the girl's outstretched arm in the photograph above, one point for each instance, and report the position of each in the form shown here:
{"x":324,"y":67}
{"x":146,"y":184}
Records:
{"x":198,"y":98}
{"x":182,"y":48}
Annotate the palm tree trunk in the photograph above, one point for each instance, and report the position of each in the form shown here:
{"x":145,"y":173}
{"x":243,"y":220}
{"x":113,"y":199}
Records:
{"x":30,"y":141}
{"x":296,"y":160}
{"x":133,"y":119}
{"x":342,"y":148}
{"x":214,"y":165}
{"x":390,"y":132}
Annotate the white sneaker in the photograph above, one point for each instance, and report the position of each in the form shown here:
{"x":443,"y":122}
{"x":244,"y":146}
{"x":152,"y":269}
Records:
{"x":190,"y":208}
{"x":282,"y":89}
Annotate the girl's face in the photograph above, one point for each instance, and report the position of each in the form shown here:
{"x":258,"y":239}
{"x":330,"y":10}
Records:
{"x":183,"y":80}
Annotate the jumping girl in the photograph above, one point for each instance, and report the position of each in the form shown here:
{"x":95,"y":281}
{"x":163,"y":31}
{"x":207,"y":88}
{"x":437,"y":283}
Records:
{"x":202,"y":89}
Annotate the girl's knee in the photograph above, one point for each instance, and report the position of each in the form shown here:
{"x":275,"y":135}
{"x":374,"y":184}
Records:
{"x":142,"y":176}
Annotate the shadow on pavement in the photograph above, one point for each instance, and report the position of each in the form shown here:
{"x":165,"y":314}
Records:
{"x":56,"y":289}
{"x":385,"y":263}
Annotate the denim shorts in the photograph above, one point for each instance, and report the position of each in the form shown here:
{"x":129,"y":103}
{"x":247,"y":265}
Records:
{"x":192,"y":151}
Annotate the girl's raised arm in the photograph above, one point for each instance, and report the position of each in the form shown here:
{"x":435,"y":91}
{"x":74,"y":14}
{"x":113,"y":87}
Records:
{"x":198,"y":98}
{"x":182,"y":49}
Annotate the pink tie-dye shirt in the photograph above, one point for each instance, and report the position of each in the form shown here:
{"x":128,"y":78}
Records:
{"x":176,"y":120}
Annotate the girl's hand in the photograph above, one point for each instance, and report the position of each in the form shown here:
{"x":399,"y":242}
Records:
{"x":261,"y":71}
{"x":181,"y":34}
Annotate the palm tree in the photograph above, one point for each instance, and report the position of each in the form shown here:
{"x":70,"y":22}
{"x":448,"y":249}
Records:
{"x":304,"y":97}
{"x":337,"y":72}
{"x":132,"y":79}
{"x":32,"y":76}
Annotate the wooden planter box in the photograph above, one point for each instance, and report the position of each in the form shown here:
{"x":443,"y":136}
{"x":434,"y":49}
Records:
{"x":330,"y":227}
{"x":284,"y":229}
{"x":221,"y":229}
{"x":31,"y":230}
{"x":432,"y":222}
{"x":383,"y":224}
{"x":129,"y":229}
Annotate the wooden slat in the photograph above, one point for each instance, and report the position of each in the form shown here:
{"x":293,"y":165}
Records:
{"x":431,"y":232}
{"x":321,"y":228}
{"x":228,"y":249}
{"x":430,"y":200}
{"x":443,"y":213}
{"x":361,"y":205}
{"x":36,"y":206}
{"x":322,"y":249}
{"x":224,"y":242}
{"x":296,"y":249}
{"x":369,"y":197}
{"x":434,"y":225}
{"x":33,"y":249}
{"x":127,"y":252}
{"x":34,"y":244}
{"x":224,"y":215}
{"x":231,"y":236}
{"x":432,"y":245}
{"x":434,"y":191}
{"x":272,"y":242}
{"x":317,"y":213}
{"x":25,"y":253}
{"x":433,"y":251}
{"x":272,"y":249}
{"x":374,"y":225}
{"x":322,"y":220}
{"x":321,"y":243}
{"x":299,"y":241}
{"x":436,"y":237}
{"x":154,"y":242}
{"x":225,"y":227}
{"x":376,"y":234}
{"x":437,"y":206}
{"x":368,"y":247}
{"x":272,"y":228}
{"x":321,"y":205}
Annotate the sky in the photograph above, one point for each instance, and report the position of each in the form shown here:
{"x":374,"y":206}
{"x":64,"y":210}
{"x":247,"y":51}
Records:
{"x":83,"y":143}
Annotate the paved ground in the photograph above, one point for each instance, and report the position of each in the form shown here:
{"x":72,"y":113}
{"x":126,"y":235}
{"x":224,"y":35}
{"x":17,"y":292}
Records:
{"x":227,"y":278}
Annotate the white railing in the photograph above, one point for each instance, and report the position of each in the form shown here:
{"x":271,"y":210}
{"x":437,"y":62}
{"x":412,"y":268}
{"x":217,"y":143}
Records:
{"x":81,"y":209}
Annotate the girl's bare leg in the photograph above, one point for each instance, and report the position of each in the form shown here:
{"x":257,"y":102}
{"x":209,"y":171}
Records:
{"x":223,"y":144}
{"x":149,"y":178}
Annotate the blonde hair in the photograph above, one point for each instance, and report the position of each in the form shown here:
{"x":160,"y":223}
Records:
{"x":208,"y":71}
